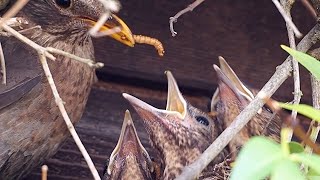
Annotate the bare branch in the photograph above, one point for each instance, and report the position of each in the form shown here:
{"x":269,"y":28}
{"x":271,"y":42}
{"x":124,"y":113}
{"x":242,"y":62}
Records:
{"x":13,"y":10}
{"x":110,"y":6}
{"x":315,"y":86}
{"x":89,"y":62}
{"x":3,"y":66}
{"x":287,"y":19}
{"x":281,"y":74}
{"x":183,"y":11}
{"x":44,"y":172}
{"x":309,"y":7}
{"x":287,"y":5}
{"x":66,"y":118}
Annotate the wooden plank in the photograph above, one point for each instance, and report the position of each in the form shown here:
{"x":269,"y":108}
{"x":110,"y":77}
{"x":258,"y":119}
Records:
{"x":247,"y":34}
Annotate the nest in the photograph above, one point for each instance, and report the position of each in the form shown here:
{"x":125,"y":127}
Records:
{"x":219,"y":171}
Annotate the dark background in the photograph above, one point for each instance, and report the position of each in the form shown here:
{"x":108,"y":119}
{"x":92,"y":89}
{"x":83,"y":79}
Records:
{"x":247,"y":33}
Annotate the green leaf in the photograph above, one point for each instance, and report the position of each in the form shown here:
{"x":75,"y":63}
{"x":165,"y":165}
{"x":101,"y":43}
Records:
{"x":313,"y":177}
{"x":312,"y":172}
{"x":309,"y":62}
{"x":295,"y":147}
{"x":303,"y":109}
{"x":309,"y":159}
{"x":287,"y":169}
{"x":256,"y":159}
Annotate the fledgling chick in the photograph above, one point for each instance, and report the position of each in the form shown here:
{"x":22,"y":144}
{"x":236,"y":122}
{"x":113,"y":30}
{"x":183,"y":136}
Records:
{"x":129,"y":159}
{"x":231,"y":98}
{"x":180,"y":133}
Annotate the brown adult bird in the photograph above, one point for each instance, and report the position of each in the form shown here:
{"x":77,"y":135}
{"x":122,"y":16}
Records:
{"x":231,"y":97}
{"x":180,"y":133}
{"x":31,"y":126}
{"x":129,"y":159}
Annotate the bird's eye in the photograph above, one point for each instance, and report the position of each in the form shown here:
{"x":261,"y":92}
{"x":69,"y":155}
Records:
{"x":202,"y":120}
{"x":63,"y":3}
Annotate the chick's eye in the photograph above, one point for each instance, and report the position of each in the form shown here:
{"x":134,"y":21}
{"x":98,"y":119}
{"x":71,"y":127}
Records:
{"x":202,"y":120}
{"x":63,"y":3}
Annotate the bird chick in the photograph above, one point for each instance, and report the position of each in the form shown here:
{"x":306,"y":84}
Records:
{"x":129,"y":159}
{"x":230,"y":98}
{"x":31,"y":125}
{"x":180,"y":133}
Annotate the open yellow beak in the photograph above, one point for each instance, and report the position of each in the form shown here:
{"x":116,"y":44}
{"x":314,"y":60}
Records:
{"x":125,"y":34}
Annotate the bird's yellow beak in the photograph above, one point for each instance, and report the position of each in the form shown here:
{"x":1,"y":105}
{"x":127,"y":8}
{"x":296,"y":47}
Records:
{"x":125,"y":34}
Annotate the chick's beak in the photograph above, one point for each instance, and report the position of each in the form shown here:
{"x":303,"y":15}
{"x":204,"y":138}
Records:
{"x":124,"y":35}
{"x":128,"y":144}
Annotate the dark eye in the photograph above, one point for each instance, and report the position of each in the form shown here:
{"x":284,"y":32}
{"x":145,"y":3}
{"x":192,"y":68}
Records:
{"x":202,"y":120}
{"x":63,"y":3}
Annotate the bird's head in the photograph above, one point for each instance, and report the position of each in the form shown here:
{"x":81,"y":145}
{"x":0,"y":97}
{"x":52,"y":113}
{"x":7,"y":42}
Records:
{"x":67,"y":18}
{"x":232,"y":96}
{"x":129,"y":159}
{"x":180,"y":133}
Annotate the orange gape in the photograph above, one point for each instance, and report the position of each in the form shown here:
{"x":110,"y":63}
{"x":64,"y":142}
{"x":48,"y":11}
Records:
{"x":151,"y":41}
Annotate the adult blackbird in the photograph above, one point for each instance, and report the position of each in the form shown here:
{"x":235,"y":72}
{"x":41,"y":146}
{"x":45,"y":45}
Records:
{"x":31,"y":126}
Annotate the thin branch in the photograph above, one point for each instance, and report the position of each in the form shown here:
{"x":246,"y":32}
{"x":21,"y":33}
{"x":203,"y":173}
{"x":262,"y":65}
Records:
{"x":281,"y":74}
{"x":287,"y":19}
{"x":44,"y":172}
{"x":3,"y":66}
{"x":315,"y":86}
{"x":13,"y":10}
{"x":287,"y":5}
{"x":89,"y":62}
{"x":183,"y":11}
{"x":27,"y":41}
{"x":110,"y":6}
{"x":309,"y":7}
{"x":66,"y":118}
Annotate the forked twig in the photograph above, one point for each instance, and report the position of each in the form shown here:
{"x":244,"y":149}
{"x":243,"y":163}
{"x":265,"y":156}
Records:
{"x":287,"y":6}
{"x":3,"y":66}
{"x":287,"y":19}
{"x":111,"y":6}
{"x":13,"y":10}
{"x":44,"y":172}
{"x":180,"y":13}
{"x":65,"y":116}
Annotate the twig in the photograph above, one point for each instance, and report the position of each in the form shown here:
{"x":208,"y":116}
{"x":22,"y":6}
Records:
{"x":110,"y":6}
{"x":287,"y":19}
{"x":315,"y":86}
{"x":65,"y":116}
{"x":183,"y":11}
{"x":94,"y":31}
{"x":309,"y":7}
{"x":281,"y":74}
{"x":89,"y":62}
{"x":27,"y":41}
{"x":44,"y":172}
{"x":13,"y":11}
{"x":3,"y":66}
{"x":287,"y":5}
